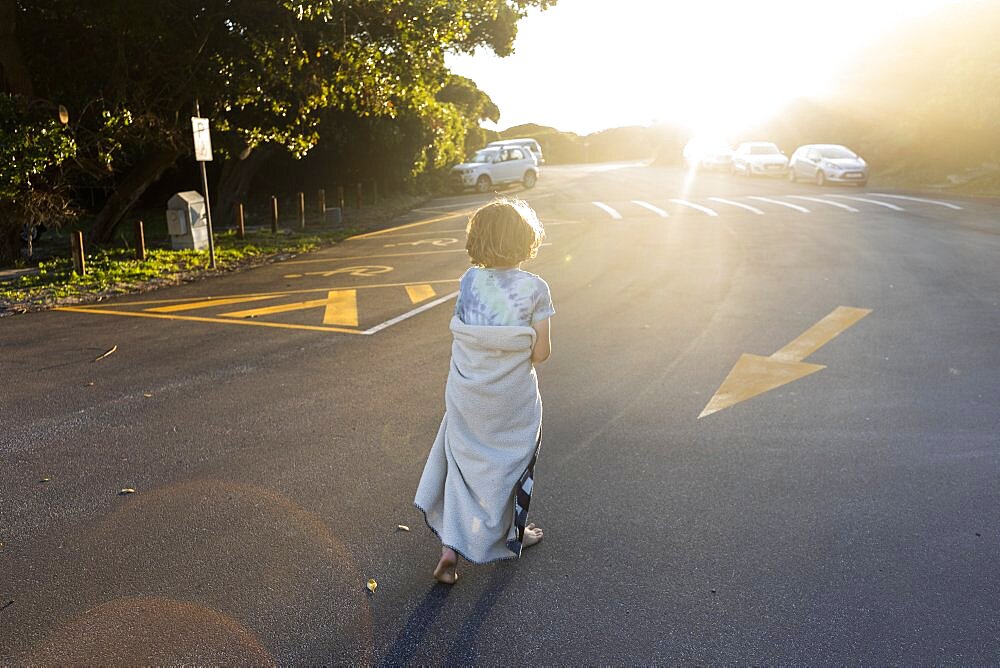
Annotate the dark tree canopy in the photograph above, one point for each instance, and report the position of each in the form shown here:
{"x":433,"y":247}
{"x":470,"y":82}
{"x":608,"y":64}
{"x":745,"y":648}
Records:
{"x":267,"y":72}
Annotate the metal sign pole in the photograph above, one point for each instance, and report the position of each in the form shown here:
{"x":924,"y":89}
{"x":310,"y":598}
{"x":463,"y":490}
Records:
{"x":204,"y":185}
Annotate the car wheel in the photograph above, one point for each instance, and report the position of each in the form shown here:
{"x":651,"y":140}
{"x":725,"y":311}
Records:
{"x":483,"y":184}
{"x":820,"y":177}
{"x":530,"y":178}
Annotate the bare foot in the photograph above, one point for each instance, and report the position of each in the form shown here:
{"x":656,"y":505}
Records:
{"x":445,"y":571}
{"x":532,"y":535}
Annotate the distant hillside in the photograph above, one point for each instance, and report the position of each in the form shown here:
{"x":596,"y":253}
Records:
{"x":626,"y":143}
{"x":922,"y":105}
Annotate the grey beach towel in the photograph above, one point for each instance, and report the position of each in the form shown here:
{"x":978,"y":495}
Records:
{"x":476,"y":485}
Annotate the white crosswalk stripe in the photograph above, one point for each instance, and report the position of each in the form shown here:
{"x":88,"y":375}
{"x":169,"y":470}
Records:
{"x":699,"y":207}
{"x":739,"y":204}
{"x":779,"y":203}
{"x":920,"y":199}
{"x":826,"y":201}
{"x":608,"y":210}
{"x":655,"y":209}
{"x":871,"y":201}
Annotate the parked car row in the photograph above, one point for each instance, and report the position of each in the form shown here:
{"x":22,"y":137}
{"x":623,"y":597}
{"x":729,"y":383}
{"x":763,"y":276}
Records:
{"x":499,"y":163}
{"x":821,"y":163}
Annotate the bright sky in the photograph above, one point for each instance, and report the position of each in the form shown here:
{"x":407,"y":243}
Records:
{"x":712,"y":65}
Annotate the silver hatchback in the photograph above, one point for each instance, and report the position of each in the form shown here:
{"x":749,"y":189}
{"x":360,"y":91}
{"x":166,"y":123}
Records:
{"x":827,"y":163}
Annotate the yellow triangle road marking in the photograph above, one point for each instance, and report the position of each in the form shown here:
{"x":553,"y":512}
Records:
{"x":753,"y":375}
{"x":419,"y":293}
{"x":341,"y":308}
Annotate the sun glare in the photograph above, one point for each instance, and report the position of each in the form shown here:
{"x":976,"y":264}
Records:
{"x":715,"y":66}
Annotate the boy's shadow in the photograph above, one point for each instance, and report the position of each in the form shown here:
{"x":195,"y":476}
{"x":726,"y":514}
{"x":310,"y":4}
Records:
{"x":462,"y":649}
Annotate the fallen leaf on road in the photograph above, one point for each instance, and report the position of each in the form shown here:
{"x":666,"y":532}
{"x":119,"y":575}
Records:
{"x":402,"y":527}
{"x":109,"y":352}
{"x":372,"y":586}
{"x":126,"y":490}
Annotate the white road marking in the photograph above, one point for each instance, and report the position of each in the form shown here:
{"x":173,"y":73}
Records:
{"x":409,"y":314}
{"x":825,"y":201}
{"x":699,"y":207}
{"x":655,"y":209}
{"x":608,"y":210}
{"x":920,"y":199}
{"x":780,"y":203}
{"x":742,"y":206}
{"x":871,"y":201}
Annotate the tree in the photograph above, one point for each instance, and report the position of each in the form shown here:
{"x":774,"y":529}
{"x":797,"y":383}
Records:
{"x":32,"y":144}
{"x":262,"y":70}
{"x":474,"y":105}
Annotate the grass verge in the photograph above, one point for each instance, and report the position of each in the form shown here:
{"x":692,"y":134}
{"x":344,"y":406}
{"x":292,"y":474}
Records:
{"x":115,"y":271}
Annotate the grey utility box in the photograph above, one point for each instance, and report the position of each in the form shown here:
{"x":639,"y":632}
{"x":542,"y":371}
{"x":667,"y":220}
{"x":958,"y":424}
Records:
{"x":186,"y":221}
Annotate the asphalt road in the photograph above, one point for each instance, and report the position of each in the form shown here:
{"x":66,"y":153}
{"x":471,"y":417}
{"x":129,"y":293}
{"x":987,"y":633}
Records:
{"x":274,"y":436}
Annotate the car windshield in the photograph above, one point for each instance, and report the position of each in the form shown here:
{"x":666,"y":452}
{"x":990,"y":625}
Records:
{"x":483,"y":156}
{"x":834,"y":152}
{"x":765,"y":149}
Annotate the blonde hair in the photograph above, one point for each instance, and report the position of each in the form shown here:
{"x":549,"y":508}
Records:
{"x":503,"y":233}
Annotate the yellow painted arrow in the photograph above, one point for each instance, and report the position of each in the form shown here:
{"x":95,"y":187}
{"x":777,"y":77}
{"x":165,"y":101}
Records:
{"x":755,"y":374}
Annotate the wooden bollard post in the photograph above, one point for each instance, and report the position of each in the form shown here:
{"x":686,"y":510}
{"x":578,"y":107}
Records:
{"x":302,"y":211}
{"x":79,"y":261}
{"x":340,"y":197}
{"x":375,"y":193}
{"x":241,"y":229}
{"x":322,"y":204}
{"x":140,"y":241}
{"x":274,"y":214}
{"x":358,"y":194}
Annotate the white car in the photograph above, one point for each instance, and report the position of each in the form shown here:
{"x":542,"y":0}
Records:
{"x":530,"y":144}
{"x":828,"y":163}
{"x":708,"y":152}
{"x":759,"y":158}
{"x":491,"y":167}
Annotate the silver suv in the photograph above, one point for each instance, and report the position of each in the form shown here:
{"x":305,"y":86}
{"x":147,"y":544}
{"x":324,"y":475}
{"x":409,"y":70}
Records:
{"x":530,"y":144}
{"x":495,"y":166}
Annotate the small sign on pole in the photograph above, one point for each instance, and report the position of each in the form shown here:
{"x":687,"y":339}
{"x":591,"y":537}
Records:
{"x":202,"y":139}
{"x":203,"y":154}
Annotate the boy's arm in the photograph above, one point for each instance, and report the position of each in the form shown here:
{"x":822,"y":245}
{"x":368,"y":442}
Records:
{"x":543,"y":342}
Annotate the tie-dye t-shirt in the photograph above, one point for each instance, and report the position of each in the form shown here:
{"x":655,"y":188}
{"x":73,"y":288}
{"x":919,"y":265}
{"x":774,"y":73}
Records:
{"x":503,"y":297}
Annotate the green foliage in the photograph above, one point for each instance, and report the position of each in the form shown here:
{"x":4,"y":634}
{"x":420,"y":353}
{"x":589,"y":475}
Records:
{"x":115,"y":271}
{"x":474,"y":106}
{"x":30,"y":145}
{"x":266,"y":72}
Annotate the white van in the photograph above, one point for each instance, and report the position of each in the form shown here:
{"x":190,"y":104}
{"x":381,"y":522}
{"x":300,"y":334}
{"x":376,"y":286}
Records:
{"x":530,"y":144}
